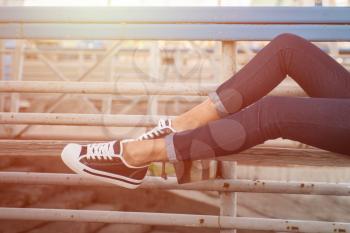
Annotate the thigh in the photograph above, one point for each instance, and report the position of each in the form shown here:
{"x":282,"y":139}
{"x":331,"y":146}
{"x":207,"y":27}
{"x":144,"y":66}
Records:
{"x":319,"y":122}
{"x":314,"y":70}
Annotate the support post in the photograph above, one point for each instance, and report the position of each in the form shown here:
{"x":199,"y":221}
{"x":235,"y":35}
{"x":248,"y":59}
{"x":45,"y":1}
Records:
{"x":109,"y":77}
{"x":17,"y":74}
{"x":154,"y":76}
{"x":228,"y":200}
{"x":2,"y":96}
{"x":318,"y":3}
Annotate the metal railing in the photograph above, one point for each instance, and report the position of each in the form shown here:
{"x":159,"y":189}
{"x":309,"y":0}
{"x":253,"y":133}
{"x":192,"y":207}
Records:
{"x":221,"y":185}
{"x":123,"y":88}
{"x":189,"y":220}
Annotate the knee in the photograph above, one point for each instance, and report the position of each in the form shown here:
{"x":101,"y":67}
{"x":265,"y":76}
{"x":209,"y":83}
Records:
{"x":288,"y":40}
{"x":286,"y":37}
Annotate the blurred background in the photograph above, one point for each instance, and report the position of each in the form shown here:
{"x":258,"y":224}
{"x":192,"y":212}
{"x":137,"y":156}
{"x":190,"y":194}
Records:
{"x":172,"y":2}
{"x":188,"y":62}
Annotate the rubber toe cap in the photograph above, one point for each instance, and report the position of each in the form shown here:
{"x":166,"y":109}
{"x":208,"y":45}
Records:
{"x":70,"y":155}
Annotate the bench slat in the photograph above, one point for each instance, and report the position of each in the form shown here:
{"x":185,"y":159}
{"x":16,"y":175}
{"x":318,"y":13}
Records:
{"x":259,"y":155}
{"x":151,"y":182}
{"x":273,"y":15}
{"x":216,"y":32}
{"x":79,"y":119}
{"x":173,"y":219}
{"x":125,"y":88}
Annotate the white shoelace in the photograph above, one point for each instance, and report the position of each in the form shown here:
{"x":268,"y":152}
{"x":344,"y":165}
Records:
{"x":100,"y":150}
{"x":156,"y":131}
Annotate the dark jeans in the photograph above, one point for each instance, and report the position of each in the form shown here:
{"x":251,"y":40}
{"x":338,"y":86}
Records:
{"x":321,"y":120}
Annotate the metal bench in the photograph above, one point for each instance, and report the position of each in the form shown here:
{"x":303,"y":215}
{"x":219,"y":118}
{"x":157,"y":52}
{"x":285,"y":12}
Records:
{"x":227,"y":24}
{"x":175,"y":23}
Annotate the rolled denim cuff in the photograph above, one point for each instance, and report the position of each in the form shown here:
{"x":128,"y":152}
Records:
{"x":170,"y":148}
{"x":219,"y":106}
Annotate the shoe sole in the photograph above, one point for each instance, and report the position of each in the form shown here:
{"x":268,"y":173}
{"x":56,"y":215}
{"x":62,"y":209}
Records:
{"x":70,"y":156}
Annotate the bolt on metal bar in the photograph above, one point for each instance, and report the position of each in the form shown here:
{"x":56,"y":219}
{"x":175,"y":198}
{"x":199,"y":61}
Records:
{"x":223,"y":185}
{"x":171,"y":219}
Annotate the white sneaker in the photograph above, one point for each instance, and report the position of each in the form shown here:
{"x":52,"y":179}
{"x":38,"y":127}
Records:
{"x":102,"y":162}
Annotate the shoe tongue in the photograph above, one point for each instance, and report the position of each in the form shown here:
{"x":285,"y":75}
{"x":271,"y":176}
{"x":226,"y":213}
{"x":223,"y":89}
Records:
{"x":83,"y":150}
{"x":163,"y":123}
{"x":116,"y":147}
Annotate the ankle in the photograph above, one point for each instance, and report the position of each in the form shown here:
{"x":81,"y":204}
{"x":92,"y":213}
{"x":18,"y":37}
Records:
{"x":184,"y":123}
{"x":142,"y":153}
{"x":131,"y":156}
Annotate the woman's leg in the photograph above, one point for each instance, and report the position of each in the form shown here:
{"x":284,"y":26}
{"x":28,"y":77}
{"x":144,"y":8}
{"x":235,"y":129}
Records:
{"x":316,"y":72}
{"x":318,"y":122}
{"x":321,"y":122}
